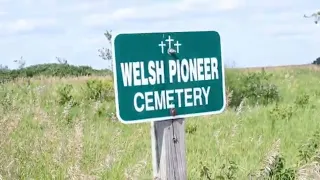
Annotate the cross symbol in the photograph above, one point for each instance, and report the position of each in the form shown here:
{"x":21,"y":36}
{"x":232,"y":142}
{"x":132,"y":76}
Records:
{"x":162,"y":45}
{"x":177,"y":44}
{"x":169,"y":40}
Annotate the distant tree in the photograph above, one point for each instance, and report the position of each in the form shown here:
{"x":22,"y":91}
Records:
{"x":317,"y":61}
{"x":3,"y":67}
{"x":61,"y":60}
{"x":316,"y":17}
{"x":21,"y":62}
{"x":106,"y":53}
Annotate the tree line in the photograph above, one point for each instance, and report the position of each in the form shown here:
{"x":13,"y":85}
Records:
{"x":49,"y":70}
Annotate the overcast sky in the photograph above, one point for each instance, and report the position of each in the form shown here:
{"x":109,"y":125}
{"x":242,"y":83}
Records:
{"x":253,"y":32}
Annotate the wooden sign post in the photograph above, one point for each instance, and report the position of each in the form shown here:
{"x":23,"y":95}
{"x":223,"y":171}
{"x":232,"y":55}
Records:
{"x":168,"y":150}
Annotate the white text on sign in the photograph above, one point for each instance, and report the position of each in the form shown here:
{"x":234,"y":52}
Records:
{"x":197,"y":69}
{"x":155,"y":100}
{"x":180,"y":71}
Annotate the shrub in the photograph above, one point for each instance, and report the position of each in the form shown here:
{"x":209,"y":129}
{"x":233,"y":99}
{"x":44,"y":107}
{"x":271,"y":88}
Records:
{"x":99,"y":90}
{"x":191,"y":129}
{"x":280,"y":172}
{"x":274,"y":166}
{"x":309,"y":149}
{"x":284,"y":112}
{"x":5,"y":98}
{"x":302,"y":100}
{"x":253,"y":86}
{"x":64,"y":94}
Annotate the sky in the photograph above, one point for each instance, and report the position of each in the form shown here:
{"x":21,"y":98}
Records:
{"x":253,"y":32}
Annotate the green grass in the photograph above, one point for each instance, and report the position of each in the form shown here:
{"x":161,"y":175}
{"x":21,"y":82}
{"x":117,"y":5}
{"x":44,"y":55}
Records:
{"x":41,"y":139}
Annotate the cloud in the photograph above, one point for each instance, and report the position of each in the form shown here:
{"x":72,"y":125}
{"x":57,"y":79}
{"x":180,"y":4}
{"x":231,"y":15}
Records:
{"x":161,"y":11}
{"x":26,"y":25}
{"x":209,"y":5}
{"x":84,"y":6}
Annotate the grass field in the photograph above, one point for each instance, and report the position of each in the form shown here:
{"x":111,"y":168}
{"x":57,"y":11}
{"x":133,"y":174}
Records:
{"x":41,"y":138}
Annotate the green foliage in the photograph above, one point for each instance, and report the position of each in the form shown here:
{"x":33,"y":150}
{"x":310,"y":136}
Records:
{"x":191,"y":129}
{"x":317,"y":93}
{"x":302,"y":100}
{"x":308,"y":150}
{"x":106,"y":53}
{"x":99,"y":90}
{"x":102,"y":110}
{"x":205,"y":171}
{"x":5,"y":98}
{"x":49,"y":70}
{"x":284,"y":112}
{"x":277,"y":113}
{"x":280,"y":172}
{"x":227,"y":171}
{"x":64,"y":94}
{"x":253,"y":86}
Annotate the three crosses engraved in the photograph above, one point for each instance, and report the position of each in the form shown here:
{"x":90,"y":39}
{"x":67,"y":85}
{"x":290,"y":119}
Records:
{"x":170,"y":49}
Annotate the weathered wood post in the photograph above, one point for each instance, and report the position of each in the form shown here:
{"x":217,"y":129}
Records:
{"x":168,"y":150}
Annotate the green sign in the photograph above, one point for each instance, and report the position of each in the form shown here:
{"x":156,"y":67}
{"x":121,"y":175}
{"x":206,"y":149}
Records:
{"x":168,"y":75}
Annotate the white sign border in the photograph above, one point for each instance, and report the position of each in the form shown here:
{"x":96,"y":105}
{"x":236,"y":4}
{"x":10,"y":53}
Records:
{"x":115,"y":82}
